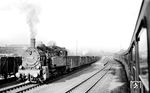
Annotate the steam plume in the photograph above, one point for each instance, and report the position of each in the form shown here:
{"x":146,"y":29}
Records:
{"x":32,"y":13}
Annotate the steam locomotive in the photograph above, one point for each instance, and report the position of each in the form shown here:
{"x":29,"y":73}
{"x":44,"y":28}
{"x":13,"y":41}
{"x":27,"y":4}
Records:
{"x":42,"y":62}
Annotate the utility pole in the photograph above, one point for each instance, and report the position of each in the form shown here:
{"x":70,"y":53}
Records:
{"x":76,"y":47}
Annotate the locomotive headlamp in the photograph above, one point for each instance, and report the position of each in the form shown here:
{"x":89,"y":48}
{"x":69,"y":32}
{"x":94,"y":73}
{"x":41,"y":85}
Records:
{"x":17,"y":75}
{"x":35,"y":75}
{"x":37,"y":67}
{"x":20,"y":67}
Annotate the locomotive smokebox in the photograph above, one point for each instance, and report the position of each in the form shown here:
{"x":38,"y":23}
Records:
{"x":33,"y":42}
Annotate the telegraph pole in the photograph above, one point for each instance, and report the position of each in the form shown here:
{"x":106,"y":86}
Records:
{"x":76,"y":47}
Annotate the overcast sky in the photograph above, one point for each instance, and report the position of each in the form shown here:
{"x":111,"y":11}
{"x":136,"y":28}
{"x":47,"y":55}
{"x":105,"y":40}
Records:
{"x":105,"y":25}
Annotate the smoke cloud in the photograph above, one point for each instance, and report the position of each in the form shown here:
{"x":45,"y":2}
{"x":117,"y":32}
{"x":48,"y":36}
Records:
{"x":51,"y":43}
{"x":32,"y":13}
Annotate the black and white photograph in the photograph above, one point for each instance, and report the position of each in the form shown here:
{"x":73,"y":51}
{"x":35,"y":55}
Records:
{"x":74,"y":46}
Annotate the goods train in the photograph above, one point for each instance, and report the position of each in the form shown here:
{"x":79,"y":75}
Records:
{"x":42,"y":62}
{"x":9,"y":65}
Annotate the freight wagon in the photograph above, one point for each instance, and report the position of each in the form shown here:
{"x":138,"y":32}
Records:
{"x":9,"y":65}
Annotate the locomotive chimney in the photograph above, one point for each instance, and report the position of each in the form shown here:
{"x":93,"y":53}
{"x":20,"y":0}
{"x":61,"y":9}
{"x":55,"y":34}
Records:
{"x":33,"y":42}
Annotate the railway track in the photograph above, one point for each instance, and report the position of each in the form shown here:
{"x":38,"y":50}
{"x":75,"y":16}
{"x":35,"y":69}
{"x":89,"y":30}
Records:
{"x":19,"y":88}
{"x":86,"y":85}
{"x":24,"y":87}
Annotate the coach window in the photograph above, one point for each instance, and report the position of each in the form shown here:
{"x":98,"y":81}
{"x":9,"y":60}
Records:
{"x":143,"y":55}
{"x":133,"y":55}
{"x":133,"y":62}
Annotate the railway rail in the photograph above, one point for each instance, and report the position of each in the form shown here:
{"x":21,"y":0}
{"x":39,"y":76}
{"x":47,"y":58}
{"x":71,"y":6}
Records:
{"x":24,"y":87}
{"x":16,"y":88}
{"x":94,"y":78}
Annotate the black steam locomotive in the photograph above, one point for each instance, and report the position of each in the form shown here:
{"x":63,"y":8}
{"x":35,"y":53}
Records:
{"x":41,"y":62}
